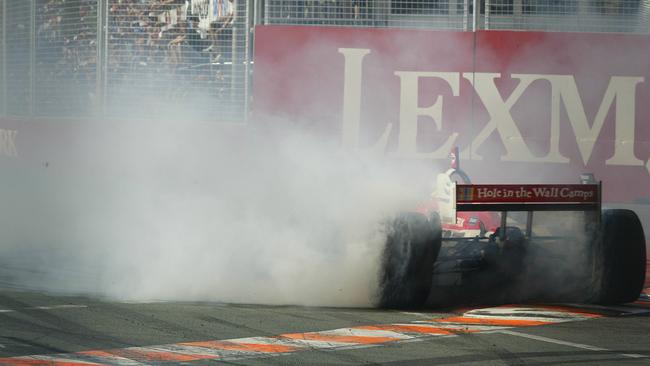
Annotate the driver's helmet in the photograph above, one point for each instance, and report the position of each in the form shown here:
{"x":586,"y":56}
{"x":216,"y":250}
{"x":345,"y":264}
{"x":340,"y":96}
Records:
{"x":443,"y":196}
{"x":444,"y":186}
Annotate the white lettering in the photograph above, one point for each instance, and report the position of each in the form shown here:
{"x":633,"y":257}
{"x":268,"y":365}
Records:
{"x":583,"y":195}
{"x":539,"y":192}
{"x":523,"y":193}
{"x":410,"y":111}
{"x":623,"y":90}
{"x":350,"y":129}
{"x":620,"y":92}
{"x":501,"y":119}
{"x":491,"y":193}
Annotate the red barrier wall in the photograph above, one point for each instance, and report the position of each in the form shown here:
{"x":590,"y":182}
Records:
{"x":523,"y":106}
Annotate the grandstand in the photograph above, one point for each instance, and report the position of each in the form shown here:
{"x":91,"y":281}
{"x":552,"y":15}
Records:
{"x":77,"y":58}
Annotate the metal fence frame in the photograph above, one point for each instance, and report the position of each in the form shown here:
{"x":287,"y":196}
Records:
{"x":17,"y":50}
{"x":32,"y":55}
{"x":21,"y":72}
{"x":579,"y":15}
{"x":226,"y":81}
{"x":3,"y":59}
{"x":102,"y":54}
{"x":454,"y":14}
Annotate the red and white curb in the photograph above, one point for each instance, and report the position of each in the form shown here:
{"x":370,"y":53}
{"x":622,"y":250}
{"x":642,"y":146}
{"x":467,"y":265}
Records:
{"x":481,"y":320}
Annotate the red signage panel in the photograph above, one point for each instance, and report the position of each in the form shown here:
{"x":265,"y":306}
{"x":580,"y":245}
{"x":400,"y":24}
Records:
{"x":522,"y":106}
{"x":527,"y":193}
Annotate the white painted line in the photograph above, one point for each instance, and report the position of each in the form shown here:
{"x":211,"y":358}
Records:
{"x":565,"y":343}
{"x":419,"y":315}
{"x":54,"y":307}
{"x":524,"y":318}
{"x":427,"y":337}
{"x":623,"y":309}
{"x":460,"y":326}
{"x":551,"y":340}
{"x":194,"y":351}
{"x":313,"y":344}
{"x":298,"y":343}
{"x":634,"y":355}
{"x":526,"y":313}
{"x":356,"y":332}
{"x":112,"y":360}
{"x":353,"y":346}
{"x":63,"y":358}
{"x":423,"y":324}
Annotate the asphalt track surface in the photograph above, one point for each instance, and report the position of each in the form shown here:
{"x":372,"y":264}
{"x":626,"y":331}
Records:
{"x":40,"y":329}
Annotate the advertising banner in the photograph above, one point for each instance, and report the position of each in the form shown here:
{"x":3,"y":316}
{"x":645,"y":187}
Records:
{"x":529,"y":193}
{"x":524,"y":107}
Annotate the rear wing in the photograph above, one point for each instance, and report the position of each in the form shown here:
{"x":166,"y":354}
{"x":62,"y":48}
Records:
{"x":527,"y":197}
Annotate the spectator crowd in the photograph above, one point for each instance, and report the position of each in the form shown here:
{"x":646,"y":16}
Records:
{"x":321,"y":12}
{"x":65,"y":54}
{"x":165,"y":45}
{"x":179,"y":47}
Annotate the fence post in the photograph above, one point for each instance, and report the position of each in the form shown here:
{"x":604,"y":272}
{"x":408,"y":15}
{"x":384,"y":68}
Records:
{"x":100,"y":67}
{"x":475,"y":15}
{"x":267,"y":9}
{"x":32,"y":57}
{"x":251,"y":22}
{"x":3,"y":60}
{"x":517,"y":8}
{"x":465,"y":15}
{"x":233,"y":52}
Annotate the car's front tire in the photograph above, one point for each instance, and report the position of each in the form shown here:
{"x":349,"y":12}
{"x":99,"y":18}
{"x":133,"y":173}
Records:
{"x":412,"y":245}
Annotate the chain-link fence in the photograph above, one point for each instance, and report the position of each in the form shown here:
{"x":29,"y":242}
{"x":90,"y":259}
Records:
{"x":3,"y":64}
{"x":567,"y":15}
{"x":18,"y":56}
{"x":136,"y":58}
{"x":172,"y":55}
{"x":65,"y":57}
{"x":74,"y":58}
{"x":546,"y":15}
{"x":449,"y":14}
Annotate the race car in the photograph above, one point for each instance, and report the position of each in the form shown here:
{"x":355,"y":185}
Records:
{"x":482,"y":243}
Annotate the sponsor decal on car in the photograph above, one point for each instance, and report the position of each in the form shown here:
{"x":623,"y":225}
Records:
{"x":584,"y":193}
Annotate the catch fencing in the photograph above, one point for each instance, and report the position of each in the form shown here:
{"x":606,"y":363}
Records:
{"x":151,"y":58}
{"x":192,"y":56}
{"x":544,"y":15}
{"x":124,"y":58}
{"x":3,"y":65}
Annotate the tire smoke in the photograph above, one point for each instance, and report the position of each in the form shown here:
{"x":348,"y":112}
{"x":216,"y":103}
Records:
{"x":155,"y":211}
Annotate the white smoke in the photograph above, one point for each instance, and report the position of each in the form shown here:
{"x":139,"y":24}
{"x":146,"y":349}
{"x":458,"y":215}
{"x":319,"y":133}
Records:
{"x":161,"y":211}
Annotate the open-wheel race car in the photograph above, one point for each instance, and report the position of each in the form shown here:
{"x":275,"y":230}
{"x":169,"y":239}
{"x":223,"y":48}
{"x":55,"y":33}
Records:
{"x":483,"y":244}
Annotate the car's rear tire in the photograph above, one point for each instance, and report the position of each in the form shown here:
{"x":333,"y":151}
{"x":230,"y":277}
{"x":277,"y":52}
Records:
{"x":619,"y":258}
{"x":412,"y":245}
